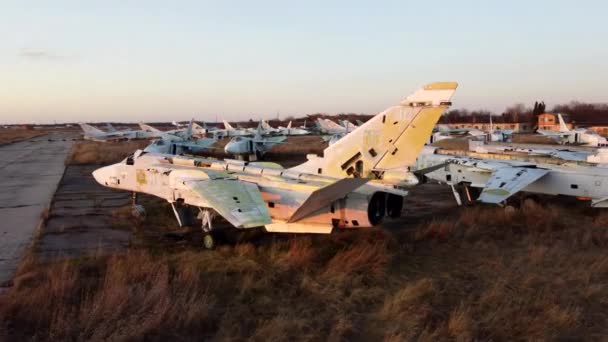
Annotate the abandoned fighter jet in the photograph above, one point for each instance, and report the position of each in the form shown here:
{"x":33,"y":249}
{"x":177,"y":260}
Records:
{"x":179,"y":144}
{"x":191,"y":130}
{"x":578,"y":136}
{"x":496,"y":180}
{"x":95,"y":134}
{"x":356,"y":183}
{"x":252,"y":148}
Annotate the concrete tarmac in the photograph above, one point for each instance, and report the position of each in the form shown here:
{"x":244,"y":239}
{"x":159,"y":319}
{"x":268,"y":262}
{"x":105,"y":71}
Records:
{"x":29,"y":173}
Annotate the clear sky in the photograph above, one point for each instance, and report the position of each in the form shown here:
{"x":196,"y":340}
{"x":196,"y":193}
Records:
{"x":163,"y":60}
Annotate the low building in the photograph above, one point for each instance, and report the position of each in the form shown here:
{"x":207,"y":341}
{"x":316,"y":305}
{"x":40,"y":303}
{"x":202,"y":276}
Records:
{"x":550,"y":122}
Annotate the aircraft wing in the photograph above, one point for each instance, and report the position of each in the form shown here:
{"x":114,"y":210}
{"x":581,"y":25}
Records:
{"x":199,"y":143}
{"x":240,"y":203}
{"x":507,"y":181}
{"x":553,"y":133}
{"x":326,"y":195}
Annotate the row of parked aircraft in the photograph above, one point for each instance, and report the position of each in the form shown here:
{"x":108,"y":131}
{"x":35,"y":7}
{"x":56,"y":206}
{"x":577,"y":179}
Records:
{"x":251,"y":143}
{"x":357,"y":182}
{"x":578,"y":136}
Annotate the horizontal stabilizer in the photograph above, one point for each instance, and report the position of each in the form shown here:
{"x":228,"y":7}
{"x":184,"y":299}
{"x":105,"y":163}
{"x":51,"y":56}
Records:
{"x":325,"y":196}
{"x":422,"y":172}
{"x":507,"y":181}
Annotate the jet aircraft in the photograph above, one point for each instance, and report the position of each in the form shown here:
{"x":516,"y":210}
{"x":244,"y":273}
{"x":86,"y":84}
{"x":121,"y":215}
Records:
{"x":495,"y":180}
{"x":179,"y":144}
{"x":355,"y":183}
{"x":95,"y":134}
{"x":580,"y":136}
{"x":252,"y":148}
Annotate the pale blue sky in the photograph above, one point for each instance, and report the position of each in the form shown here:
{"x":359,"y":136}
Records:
{"x":164,"y":60}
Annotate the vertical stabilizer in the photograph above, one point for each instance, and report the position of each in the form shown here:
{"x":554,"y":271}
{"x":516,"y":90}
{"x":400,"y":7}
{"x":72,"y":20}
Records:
{"x":148,"y":128}
{"x":227,"y":125}
{"x":390,"y":140}
{"x":110,"y":128}
{"x":189,"y":130}
{"x":562,"y":124}
{"x":88,"y":129}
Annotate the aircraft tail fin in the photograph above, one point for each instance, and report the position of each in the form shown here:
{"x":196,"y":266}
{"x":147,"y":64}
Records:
{"x":227,"y":125}
{"x":197,"y":126}
{"x":289,"y":124}
{"x":90,"y":129}
{"x":265,"y":125}
{"x":110,"y":127}
{"x":562,"y":124}
{"x":391,"y":139}
{"x":148,"y":128}
{"x":189,"y":130}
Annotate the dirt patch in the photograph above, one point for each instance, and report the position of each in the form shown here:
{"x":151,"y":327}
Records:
{"x":8,"y":136}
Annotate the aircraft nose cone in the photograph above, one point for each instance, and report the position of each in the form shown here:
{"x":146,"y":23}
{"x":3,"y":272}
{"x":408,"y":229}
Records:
{"x":101,"y":175}
{"x":232,"y":148}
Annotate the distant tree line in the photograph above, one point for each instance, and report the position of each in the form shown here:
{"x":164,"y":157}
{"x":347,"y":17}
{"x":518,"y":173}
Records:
{"x":578,"y":112}
{"x":584,"y":113}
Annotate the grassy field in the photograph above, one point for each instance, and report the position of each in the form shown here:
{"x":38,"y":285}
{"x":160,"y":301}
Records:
{"x":480,"y":273}
{"x":538,"y":272}
{"x":102,"y":153}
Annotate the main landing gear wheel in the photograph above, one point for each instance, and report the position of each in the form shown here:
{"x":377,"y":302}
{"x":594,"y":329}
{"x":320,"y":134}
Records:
{"x":206,"y":216}
{"x":208,"y":241}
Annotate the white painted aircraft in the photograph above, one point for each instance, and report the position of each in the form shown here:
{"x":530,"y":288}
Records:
{"x":495,"y":180}
{"x":326,"y":126}
{"x":230,"y":131}
{"x":348,"y":125}
{"x":336,"y":131}
{"x":580,"y":136}
{"x":252,"y":148}
{"x":180,"y":144}
{"x":192,"y":129}
{"x":441,"y":133}
{"x":356,"y":183}
{"x":293,"y":130}
{"x":95,"y":134}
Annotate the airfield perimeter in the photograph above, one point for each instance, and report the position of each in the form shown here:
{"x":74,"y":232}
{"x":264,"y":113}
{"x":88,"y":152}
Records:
{"x":30,"y":171}
{"x":440,"y":272}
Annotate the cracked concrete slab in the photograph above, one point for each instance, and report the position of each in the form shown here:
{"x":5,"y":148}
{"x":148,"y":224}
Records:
{"x":30,"y":171}
{"x":80,"y":220}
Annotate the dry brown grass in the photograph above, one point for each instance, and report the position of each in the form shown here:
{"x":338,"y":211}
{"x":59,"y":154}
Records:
{"x":12,"y":135}
{"x":101,"y":153}
{"x":482,"y":273}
